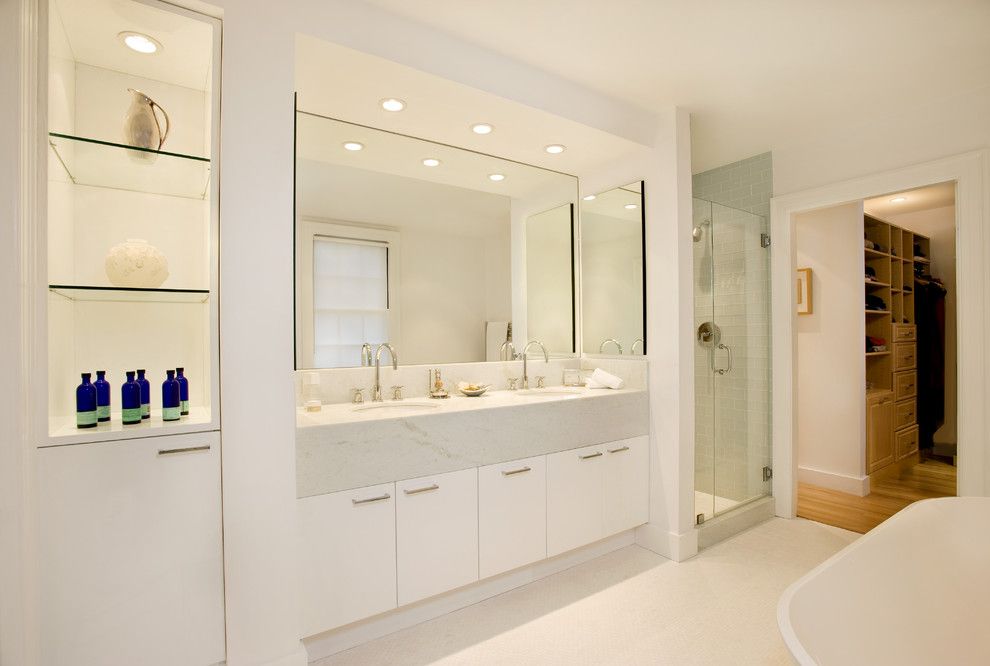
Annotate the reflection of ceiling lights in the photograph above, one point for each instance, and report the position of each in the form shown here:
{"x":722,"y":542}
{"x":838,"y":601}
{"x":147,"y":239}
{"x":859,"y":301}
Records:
{"x":353,"y":145}
{"x":393,"y":104}
{"x":590,"y":197}
{"x":482,"y":128}
{"x":898,"y":200}
{"x":631,"y":206}
{"x":496,"y":177}
{"x":555,"y":148}
{"x":431,"y":161}
{"x":139,"y":42}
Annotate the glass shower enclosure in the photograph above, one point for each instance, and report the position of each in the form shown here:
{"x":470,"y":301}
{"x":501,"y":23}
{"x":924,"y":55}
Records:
{"x":732,"y":358}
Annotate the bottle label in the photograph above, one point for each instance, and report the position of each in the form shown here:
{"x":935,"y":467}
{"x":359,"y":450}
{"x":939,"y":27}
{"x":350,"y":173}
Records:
{"x":103,"y":412}
{"x":170,"y":414}
{"x":132,"y":415}
{"x":184,"y":407}
{"x":86,"y":419}
{"x":145,"y":410}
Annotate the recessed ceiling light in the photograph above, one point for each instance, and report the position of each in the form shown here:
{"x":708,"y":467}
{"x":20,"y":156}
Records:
{"x":555,"y":148}
{"x":393,"y":104}
{"x":496,"y":177}
{"x":631,"y":206}
{"x":353,"y":145}
{"x":482,"y":128}
{"x":139,"y":42}
{"x":898,"y":200}
{"x":431,"y":161}
{"x":590,"y":197}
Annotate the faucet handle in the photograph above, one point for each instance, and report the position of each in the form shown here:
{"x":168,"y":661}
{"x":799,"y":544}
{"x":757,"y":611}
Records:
{"x":512,"y":383}
{"x":358,"y":395}
{"x":539,"y":381}
{"x":397,"y":393}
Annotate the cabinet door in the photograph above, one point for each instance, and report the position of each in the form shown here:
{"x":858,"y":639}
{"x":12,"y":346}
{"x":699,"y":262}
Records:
{"x":436,"y":533}
{"x":879,"y":432}
{"x":512,"y":515}
{"x":346,"y":556}
{"x":131,"y":559}
{"x":575,"y":495}
{"x":627,"y":484}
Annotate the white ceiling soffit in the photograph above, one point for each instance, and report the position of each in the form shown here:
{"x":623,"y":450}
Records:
{"x":923,"y":198}
{"x":754,"y":75}
{"x":339,"y":82}
{"x":92,"y":28}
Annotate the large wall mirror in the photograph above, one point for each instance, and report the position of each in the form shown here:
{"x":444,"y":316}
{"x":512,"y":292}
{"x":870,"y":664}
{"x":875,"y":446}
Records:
{"x":443,"y":252}
{"x":612,"y":271}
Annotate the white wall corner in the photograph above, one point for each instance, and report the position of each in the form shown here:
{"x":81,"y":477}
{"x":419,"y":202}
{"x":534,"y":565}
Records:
{"x":673,"y":546}
{"x":854,"y":485}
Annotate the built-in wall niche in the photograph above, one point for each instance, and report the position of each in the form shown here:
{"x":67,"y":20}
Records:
{"x":448,"y":254}
{"x":132,"y":223}
{"x":612,"y":271}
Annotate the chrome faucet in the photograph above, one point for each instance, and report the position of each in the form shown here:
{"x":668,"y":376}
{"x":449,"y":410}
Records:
{"x":376,"y":392}
{"x":366,"y":355}
{"x":632,"y":350}
{"x":601,"y":347}
{"x":507,"y":351}
{"x":525,"y":351}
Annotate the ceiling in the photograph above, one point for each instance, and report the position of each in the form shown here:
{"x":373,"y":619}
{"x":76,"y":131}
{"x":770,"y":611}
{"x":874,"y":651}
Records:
{"x":923,"y":198}
{"x":755,"y":75}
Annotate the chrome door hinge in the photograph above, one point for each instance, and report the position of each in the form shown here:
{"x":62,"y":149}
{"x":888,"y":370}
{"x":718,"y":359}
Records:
{"x":767,"y":473}
{"x":764,"y":240}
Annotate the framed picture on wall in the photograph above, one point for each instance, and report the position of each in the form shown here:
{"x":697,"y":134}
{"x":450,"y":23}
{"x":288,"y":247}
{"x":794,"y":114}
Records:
{"x":804,"y":303}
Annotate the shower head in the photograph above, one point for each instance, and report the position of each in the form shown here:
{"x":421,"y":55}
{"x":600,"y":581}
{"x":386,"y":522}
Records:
{"x":699,"y":230}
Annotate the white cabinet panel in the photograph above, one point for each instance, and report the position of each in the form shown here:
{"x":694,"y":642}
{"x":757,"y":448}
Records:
{"x":436,"y":533}
{"x":346,"y":556}
{"x":512,"y":515}
{"x":627,"y":484}
{"x":574,"y":498}
{"x":131,"y":552}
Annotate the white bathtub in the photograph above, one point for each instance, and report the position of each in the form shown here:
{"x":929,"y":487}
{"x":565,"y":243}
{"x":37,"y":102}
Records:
{"x":915,"y":590}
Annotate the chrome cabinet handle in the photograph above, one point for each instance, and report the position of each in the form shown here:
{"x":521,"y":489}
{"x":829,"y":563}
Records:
{"x":369,"y":500}
{"x":591,"y":455}
{"x":425,"y":489}
{"x":168,"y":452}
{"x":510,"y":472}
{"x":619,"y":450}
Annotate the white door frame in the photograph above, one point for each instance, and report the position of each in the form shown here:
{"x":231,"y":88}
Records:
{"x":970,"y":173}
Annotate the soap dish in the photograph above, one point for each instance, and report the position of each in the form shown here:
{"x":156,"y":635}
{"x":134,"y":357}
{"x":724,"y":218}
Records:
{"x":472,"y":390}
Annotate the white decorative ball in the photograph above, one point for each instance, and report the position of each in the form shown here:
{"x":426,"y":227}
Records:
{"x":135,"y":263}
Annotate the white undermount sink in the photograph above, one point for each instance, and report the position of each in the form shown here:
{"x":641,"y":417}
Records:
{"x":549,"y":392}
{"x":398,"y":405}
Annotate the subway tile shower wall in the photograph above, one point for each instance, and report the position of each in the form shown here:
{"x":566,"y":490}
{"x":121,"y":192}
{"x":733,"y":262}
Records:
{"x":747,"y":184}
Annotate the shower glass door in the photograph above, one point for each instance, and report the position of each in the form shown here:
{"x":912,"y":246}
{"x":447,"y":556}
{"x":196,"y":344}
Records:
{"x":732,"y":358}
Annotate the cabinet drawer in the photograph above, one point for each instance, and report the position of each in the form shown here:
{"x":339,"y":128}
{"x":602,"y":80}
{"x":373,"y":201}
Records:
{"x":436,"y":525}
{"x":907,"y":442}
{"x":627,"y":484}
{"x":905,"y":414}
{"x":512,"y":515}
{"x":575,"y":482}
{"x":904,"y":332}
{"x":905,"y":385}
{"x":904,"y":356}
{"x":346,"y":556}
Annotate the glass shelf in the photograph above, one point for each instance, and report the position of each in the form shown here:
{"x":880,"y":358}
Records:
{"x":130,"y":294}
{"x":121,"y":167}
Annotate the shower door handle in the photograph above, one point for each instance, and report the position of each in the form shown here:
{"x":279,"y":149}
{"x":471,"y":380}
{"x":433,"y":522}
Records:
{"x":728,"y":368}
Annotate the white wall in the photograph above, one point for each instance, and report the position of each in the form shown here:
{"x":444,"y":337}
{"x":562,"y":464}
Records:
{"x":549,"y":288}
{"x":831,"y":376}
{"x":939,"y":224}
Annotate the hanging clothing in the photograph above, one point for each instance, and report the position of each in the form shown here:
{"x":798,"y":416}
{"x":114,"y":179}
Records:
{"x":929,"y":313}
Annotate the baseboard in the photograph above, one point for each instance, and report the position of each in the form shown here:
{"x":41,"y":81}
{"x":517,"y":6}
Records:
{"x":343,"y":638}
{"x":296,"y":658}
{"x":673,"y":546}
{"x":735,"y":521}
{"x":854,"y":485}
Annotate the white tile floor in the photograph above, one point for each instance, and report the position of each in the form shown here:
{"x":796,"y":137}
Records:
{"x":629,"y":607}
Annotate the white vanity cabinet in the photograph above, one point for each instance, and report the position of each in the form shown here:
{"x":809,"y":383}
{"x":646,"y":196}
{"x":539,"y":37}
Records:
{"x":512,"y":515}
{"x":131,"y":556}
{"x":436,"y":526}
{"x":575,"y":498}
{"x":627,"y":484}
{"x":346,"y":556}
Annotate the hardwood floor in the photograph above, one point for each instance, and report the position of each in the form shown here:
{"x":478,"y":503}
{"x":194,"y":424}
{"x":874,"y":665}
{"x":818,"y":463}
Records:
{"x":929,"y":478}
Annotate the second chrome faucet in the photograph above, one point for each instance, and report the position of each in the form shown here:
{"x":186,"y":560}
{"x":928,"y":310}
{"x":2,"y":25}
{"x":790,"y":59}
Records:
{"x":525,"y":352}
{"x":376,"y":391}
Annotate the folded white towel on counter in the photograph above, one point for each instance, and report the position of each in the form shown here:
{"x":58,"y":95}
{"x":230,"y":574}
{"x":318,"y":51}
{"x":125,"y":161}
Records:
{"x":601,"y":379}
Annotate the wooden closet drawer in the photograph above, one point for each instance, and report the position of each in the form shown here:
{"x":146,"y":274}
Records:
{"x":905,"y":357}
{"x":904,"y":332}
{"x":905,"y":385}
{"x":905,"y":414}
{"x":907,"y":442}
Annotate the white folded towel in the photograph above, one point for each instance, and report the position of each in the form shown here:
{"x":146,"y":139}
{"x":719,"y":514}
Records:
{"x":601,"y":379}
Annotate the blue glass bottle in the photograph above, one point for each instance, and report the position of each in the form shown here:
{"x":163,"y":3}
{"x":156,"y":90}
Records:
{"x":130,"y":400}
{"x":102,"y":396}
{"x":145,"y":394}
{"x":170,"y":397}
{"x":183,"y":391}
{"x":86,"y":403}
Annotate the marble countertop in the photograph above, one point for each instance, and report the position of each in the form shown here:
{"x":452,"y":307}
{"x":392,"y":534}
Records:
{"x":347,"y":446}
